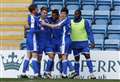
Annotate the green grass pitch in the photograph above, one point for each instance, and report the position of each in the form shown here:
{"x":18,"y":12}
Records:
{"x":57,"y":80}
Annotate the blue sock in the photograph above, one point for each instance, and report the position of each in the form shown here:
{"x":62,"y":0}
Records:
{"x":64,"y":67}
{"x":77,"y":66}
{"x":49,"y":65}
{"x":25,"y":65}
{"x":60,"y":66}
{"x":52,"y":66}
{"x":71,"y":68}
{"x":39,"y":68}
{"x":90,"y":65}
{"x":35,"y":65}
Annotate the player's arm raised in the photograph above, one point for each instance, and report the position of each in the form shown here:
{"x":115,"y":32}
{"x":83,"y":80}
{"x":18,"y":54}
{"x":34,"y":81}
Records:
{"x":53,"y":25}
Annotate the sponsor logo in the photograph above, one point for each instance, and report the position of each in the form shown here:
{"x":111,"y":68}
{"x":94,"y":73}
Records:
{"x":12,"y":61}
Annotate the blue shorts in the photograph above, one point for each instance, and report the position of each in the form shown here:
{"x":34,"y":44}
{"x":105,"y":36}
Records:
{"x":45,"y":46}
{"x":60,"y":47}
{"x":65,"y":46}
{"x":32,"y":42}
{"x":56,"y":46}
{"x":80,"y":47}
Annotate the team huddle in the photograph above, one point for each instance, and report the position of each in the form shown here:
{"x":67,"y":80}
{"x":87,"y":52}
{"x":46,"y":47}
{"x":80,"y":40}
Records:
{"x":57,"y":35}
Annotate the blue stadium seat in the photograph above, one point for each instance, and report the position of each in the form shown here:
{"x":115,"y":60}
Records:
{"x":56,"y":2}
{"x":99,"y":44}
{"x":59,"y":7}
{"x":102,"y":15}
{"x":103,"y":7}
{"x":89,"y":2}
{"x":39,"y":6}
{"x":99,"y":41}
{"x":72,"y":2}
{"x":104,"y":4}
{"x":117,"y":8}
{"x":116,"y":2}
{"x":115,"y":14}
{"x":72,"y":9}
{"x":88,"y":7}
{"x":111,"y":44}
{"x":99,"y":29}
{"x":115,"y":17}
{"x":87,"y":14}
{"x":115,"y":22}
{"x":41,"y":3}
{"x":101,"y":21}
{"x":113,"y":29}
{"x":99,"y":36}
{"x":75,"y":3}
{"x":114,"y":36}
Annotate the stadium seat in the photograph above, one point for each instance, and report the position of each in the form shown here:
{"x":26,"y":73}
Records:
{"x":87,"y":14}
{"x":99,"y":41}
{"x":104,"y":4}
{"x":72,"y":9}
{"x":88,"y":7}
{"x":99,"y":44}
{"x":99,"y":36}
{"x":115,"y":22}
{"x":89,"y":2}
{"x":103,"y":7}
{"x":75,"y":3}
{"x":99,"y":29}
{"x":115,"y":17}
{"x":56,"y":1}
{"x":114,"y":29}
{"x":117,"y":8}
{"x":114,"y":36}
{"x":116,"y":2}
{"x":72,"y":2}
{"x":115,"y":14}
{"x":59,"y":7}
{"x":41,"y":3}
{"x":102,"y":15}
{"x":101,"y":21}
{"x":111,"y":44}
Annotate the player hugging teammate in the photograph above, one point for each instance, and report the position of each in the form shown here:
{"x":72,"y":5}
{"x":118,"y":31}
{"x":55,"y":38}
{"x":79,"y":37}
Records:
{"x":57,"y":35}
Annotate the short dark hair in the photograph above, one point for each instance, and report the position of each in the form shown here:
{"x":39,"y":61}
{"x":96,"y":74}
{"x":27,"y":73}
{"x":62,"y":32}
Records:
{"x":32,"y":7}
{"x":55,"y":11}
{"x":64,"y":9}
{"x":44,"y":8}
{"x":79,"y":11}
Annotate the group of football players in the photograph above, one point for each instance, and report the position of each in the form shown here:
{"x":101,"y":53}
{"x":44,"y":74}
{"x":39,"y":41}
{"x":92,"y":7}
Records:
{"x":57,"y":35}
